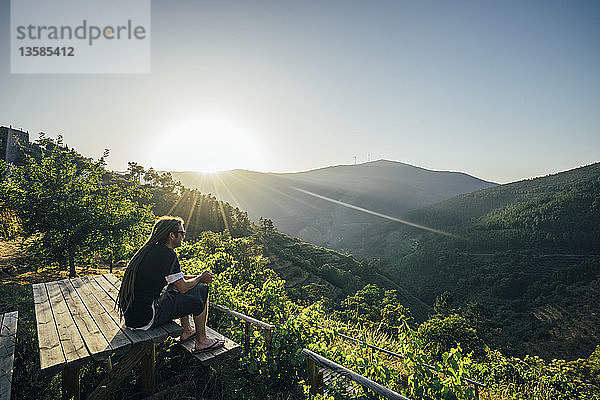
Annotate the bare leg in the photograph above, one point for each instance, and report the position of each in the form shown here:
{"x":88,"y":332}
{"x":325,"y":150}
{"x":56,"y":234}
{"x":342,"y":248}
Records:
{"x":200,"y":320}
{"x":188,"y":331}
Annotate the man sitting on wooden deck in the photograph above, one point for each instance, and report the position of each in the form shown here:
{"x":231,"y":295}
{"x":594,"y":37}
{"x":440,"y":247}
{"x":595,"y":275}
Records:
{"x":154,"y":265}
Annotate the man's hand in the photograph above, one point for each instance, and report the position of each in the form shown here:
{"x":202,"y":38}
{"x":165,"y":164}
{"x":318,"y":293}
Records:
{"x":189,"y":281}
{"x":206,"y":276}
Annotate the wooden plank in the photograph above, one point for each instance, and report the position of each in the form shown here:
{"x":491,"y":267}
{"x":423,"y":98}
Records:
{"x":51,"y":354}
{"x":116,"y":282}
{"x":268,"y":341}
{"x":68,"y":334}
{"x":94,"y":340}
{"x":246,"y":337}
{"x":158,"y":334}
{"x":229,"y":346}
{"x":109,"y":306}
{"x":208,"y":357}
{"x":173,"y":329}
{"x":107,"y":286}
{"x":311,"y":372}
{"x":115,"y":336}
{"x":8,"y":337}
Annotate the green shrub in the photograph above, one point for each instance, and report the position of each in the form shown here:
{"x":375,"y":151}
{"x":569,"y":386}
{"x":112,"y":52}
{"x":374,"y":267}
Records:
{"x":439,"y":334}
{"x":375,"y":307}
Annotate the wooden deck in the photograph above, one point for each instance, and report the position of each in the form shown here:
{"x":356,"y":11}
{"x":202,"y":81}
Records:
{"x":8,"y":334}
{"x":77,"y":322}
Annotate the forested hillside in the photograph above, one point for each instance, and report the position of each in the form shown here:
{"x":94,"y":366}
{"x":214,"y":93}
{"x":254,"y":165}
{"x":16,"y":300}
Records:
{"x":383,"y":239}
{"x":527,"y":253}
{"x":72,"y":210}
{"x":313,"y":272}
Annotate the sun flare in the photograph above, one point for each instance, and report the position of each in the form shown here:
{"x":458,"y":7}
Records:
{"x":208,"y":143}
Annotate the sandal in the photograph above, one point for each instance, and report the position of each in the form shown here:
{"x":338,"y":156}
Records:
{"x":216,"y":345}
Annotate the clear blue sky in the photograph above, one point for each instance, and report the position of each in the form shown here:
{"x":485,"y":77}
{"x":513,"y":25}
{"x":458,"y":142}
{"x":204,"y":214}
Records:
{"x":503,"y":90}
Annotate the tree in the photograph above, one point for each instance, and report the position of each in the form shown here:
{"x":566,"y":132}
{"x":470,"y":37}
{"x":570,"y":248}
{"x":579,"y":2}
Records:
{"x":65,"y":207}
{"x":151,"y":176}
{"x":376,"y":307}
{"x":443,"y":304}
{"x":441,"y":333}
{"x":266,"y":225}
{"x":135,"y":172}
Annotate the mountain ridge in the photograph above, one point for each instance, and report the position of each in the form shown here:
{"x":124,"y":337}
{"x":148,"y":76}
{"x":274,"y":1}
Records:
{"x":329,"y":167}
{"x":384,"y":186}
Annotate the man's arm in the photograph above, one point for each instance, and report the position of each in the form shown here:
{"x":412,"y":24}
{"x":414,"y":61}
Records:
{"x":190,"y":281}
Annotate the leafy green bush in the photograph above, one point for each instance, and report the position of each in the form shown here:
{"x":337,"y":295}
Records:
{"x":440,"y":334}
{"x":375,"y":307}
{"x":447,"y":378}
{"x":532,"y":377}
{"x":9,"y":223}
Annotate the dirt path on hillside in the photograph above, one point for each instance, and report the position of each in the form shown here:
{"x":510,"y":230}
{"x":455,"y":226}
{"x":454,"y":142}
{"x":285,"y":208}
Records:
{"x":11,"y":254}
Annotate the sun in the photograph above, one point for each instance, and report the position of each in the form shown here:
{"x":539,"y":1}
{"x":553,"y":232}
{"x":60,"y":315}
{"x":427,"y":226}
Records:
{"x":208,"y":143}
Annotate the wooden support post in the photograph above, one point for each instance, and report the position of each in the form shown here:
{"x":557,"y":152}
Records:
{"x":246,"y":337}
{"x":148,"y":368}
{"x":108,"y":364}
{"x":311,"y":371}
{"x":70,"y":383}
{"x":268,"y":341}
{"x":114,"y":378}
{"x":320,"y":382}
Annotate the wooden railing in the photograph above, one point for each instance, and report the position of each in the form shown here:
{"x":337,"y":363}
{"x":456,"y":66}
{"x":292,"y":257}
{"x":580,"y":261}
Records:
{"x":248,"y":321}
{"x":476,"y":385}
{"x":315,"y":379}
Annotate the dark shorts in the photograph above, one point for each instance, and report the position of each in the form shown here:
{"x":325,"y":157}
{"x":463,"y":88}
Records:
{"x":172,"y":304}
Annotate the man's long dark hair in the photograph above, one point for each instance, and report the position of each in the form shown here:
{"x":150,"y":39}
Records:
{"x":159,"y":236}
